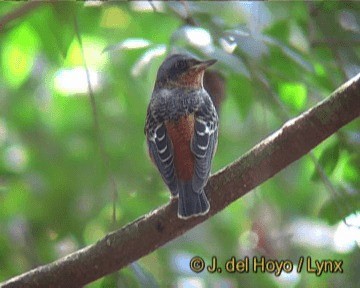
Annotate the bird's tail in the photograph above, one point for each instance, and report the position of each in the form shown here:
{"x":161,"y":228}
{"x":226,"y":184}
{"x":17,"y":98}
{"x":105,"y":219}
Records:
{"x":191,"y":203}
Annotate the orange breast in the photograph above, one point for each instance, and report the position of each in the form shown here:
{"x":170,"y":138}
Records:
{"x":180,"y":134}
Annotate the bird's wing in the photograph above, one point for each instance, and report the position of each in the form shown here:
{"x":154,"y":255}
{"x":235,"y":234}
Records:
{"x":204,"y":142}
{"x":161,"y":152}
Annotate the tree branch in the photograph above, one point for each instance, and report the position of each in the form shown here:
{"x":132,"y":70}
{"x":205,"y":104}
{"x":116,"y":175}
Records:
{"x":122,"y":247}
{"x":18,"y":13}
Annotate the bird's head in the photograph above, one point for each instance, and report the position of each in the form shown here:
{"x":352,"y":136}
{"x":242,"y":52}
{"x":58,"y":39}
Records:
{"x":181,"y":70}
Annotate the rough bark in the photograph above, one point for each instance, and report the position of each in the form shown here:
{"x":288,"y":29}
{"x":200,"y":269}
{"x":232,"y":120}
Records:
{"x":120,"y":248}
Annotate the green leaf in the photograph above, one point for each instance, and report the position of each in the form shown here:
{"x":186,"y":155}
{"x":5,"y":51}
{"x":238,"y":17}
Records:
{"x":242,"y":92}
{"x":288,"y":52}
{"x":279,"y":30}
{"x":328,"y":160}
{"x":115,"y":17}
{"x":352,"y":170}
{"x":19,"y":49}
{"x":65,"y":13}
{"x":334,"y":210}
{"x":294,"y":94}
{"x":55,"y":41}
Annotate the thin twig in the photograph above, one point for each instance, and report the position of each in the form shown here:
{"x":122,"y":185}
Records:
{"x":188,"y":19}
{"x":152,"y":5}
{"x":284,"y":116}
{"x":98,"y":137}
{"x":17,"y":13}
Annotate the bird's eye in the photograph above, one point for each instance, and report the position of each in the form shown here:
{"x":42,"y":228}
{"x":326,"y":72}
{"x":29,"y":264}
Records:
{"x":181,"y":65}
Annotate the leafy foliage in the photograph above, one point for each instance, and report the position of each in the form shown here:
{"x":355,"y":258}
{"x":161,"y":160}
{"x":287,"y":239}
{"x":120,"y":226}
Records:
{"x":56,"y":185}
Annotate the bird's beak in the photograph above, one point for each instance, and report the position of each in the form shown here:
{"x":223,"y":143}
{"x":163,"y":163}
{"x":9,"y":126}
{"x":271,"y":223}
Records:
{"x":202,"y":65}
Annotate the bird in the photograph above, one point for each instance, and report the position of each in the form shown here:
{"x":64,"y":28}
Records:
{"x":181,"y":129}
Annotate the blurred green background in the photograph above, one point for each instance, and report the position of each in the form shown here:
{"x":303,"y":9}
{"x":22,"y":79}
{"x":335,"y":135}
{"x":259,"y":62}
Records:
{"x":58,"y":169}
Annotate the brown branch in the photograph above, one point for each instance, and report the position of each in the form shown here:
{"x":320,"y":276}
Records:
{"x":120,"y":248}
{"x":17,"y":13}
